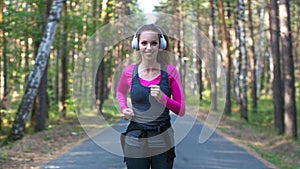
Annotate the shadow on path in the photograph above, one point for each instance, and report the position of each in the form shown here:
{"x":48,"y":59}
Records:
{"x":216,"y":153}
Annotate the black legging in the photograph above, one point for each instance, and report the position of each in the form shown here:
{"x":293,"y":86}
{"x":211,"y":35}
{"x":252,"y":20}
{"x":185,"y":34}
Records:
{"x":160,"y":161}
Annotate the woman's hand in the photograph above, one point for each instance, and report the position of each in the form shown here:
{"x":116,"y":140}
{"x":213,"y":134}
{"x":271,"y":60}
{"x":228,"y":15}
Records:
{"x":155,"y":92}
{"x":128,"y":113}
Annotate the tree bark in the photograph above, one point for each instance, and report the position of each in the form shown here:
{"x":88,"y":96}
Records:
{"x":199,"y":61}
{"x":258,"y":67}
{"x":238,"y":68}
{"x":94,"y":62}
{"x":212,"y":59}
{"x":227,"y":58}
{"x":277,"y":87}
{"x":242,"y":55}
{"x":41,"y":104}
{"x":36,"y":74}
{"x":4,"y":91}
{"x":252,"y":58}
{"x":177,"y":43}
{"x":63,"y":92}
{"x":290,"y":114}
{"x":100,"y":80}
{"x":40,"y":110}
{"x":244,"y":113}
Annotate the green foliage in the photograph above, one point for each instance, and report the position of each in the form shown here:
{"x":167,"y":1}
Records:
{"x":206,"y":102}
{"x":111,"y":111}
{"x":4,"y":155}
{"x":263,"y":117}
{"x":271,"y":157}
{"x":296,"y":152}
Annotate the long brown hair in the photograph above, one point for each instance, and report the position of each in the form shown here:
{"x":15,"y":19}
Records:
{"x":163,"y":56}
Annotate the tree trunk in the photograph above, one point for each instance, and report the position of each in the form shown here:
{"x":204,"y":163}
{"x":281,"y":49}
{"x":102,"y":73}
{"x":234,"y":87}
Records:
{"x":199,"y":76}
{"x":63,"y":92}
{"x":40,"y":110}
{"x":290,"y":114}
{"x":212,"y":59}
{"x":238,"y":70}
{"x":182,"y":60}
{"x":94,"y":62}
{"x":252,"y":59}
{"x":176,"y":31}
{"x":242,"y":55}
{"x":3,"y":69}
{"x":36,"y":74}
{"x":99,"y":82}
{"x":199,"y":61}
{"x":258,"y":67}
{"x":244,"y":113}
{"x":277,"y":87}
{"x":41,"y":104}
{"x":100,"y":85}
{"x":226,"y":52}
{"x":177,"y":36}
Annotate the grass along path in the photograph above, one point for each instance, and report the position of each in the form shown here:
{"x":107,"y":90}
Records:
{"x":276,"y":150}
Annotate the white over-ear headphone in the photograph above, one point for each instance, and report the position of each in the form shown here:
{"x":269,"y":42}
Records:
{"x":162,"y":40}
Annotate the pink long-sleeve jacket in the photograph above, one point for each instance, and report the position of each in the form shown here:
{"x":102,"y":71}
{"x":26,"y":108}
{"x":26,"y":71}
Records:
{"x":176,"y":103}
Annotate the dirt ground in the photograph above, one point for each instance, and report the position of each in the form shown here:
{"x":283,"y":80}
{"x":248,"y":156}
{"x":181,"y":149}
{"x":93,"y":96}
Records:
{"x":37,"y":149}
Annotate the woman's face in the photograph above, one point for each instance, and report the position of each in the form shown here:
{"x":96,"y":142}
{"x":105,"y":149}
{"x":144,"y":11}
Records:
{"x":149,"y":45}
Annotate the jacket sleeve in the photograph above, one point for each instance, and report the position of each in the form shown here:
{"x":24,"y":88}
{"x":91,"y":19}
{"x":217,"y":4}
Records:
{"x":176,"y":103}
{"x":123,"y":88}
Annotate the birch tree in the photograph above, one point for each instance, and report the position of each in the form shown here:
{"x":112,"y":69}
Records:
{"x":241,"y":54}
{"x":36,"y":74}
{"x":258,"y":67}
{"x":237,"y":61}
{"x":3,"y":67}
{"x":40,"y":109}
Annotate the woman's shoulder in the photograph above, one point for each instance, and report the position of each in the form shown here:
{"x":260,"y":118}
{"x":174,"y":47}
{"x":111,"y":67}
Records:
{"x":171,"y":68}
{"x":128,"y":69}
{"x":172,"y":72}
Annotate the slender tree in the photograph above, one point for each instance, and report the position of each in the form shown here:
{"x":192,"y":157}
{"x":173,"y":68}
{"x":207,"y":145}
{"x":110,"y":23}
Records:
{"x":100,"y":84}
{"x":258,"y":68}
{"x":40,"y":110}
{"x":94,"y":62}
{"x":178,"y":35}
{"x":241,"y":54}
{"x":290,"y":113}
{"x":36,"y":74}
{"x":212,"y":58}
{"x":3,"y":66}
{"x":199,"y":61}
{"x":252,"y":57}
{"x":237,"y":84}
{"x":277,"y":87}
{"x":63,"y":55}
{"x":227,"y":57}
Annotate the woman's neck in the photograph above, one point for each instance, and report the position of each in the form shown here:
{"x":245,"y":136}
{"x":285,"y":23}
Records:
{"x":149,"y":65}
{"x":149,"y":70}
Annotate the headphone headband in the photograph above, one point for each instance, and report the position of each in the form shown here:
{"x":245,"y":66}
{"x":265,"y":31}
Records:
{"x":162,"y":40}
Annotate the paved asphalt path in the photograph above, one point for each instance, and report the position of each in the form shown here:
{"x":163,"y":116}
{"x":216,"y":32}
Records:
{"x":216,"y":153}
